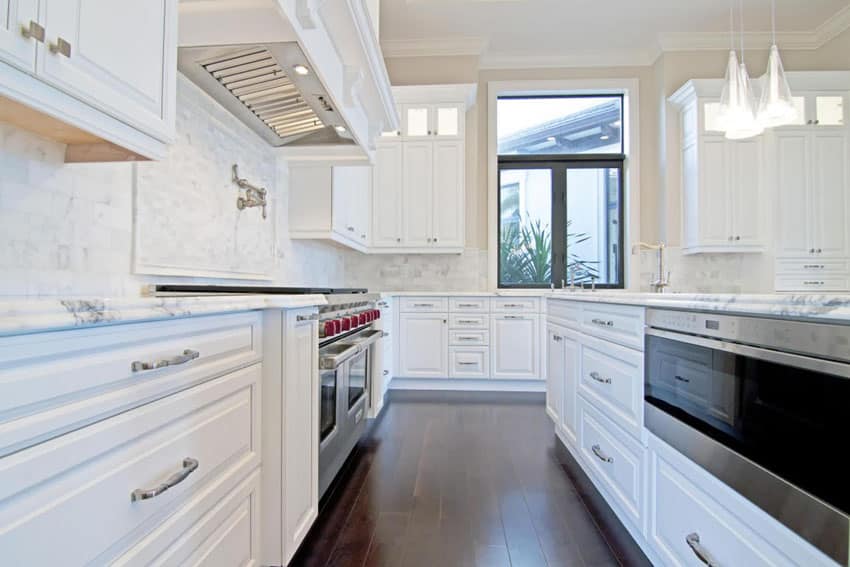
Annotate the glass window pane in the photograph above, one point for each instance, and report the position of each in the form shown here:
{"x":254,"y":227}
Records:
{"x":447,"y":121}
{"x":417,"y":121}
{"x":525,"y":240}
{"x":593,"y":225}
{"x":830,"y":110}
{"x":560,"y":125}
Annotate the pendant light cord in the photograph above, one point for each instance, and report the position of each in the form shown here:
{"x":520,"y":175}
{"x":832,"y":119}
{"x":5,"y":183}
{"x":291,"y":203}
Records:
{"x":731,"y":25}
{"x":773,"y":19}
{"x":741,"y":18}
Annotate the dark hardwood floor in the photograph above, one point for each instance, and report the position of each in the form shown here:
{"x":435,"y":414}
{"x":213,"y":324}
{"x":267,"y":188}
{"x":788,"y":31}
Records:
{"x":457,"y":483}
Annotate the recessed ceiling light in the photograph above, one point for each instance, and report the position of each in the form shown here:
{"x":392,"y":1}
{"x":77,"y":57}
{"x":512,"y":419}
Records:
{"x":550,"y":139}
{"x":340,"y":129}
{"x":301,"y":70}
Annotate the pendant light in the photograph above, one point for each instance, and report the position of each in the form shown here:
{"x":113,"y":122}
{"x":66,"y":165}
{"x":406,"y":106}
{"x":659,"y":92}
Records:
{"x":740,"y":112}
{"x":776,"y":107}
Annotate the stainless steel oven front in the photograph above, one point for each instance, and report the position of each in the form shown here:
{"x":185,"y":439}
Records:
{"x":764,"y":405}
{"x":344,"y":370}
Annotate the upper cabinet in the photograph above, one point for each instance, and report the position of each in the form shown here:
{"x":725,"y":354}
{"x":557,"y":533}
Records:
{"x":722,"y":180}
{"x":419,"y":186}
{"x":331,"y":203}
{"x":98,"y":75}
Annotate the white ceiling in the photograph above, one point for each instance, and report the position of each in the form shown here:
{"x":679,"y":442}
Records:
{"x":504,"y":29}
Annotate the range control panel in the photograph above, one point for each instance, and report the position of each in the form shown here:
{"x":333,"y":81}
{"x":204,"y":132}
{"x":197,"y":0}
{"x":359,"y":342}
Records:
{"x":705,"y":324}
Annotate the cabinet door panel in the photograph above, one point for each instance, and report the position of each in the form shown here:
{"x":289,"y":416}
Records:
{"x":829,"y":194}
{"x":300,"y":434}
{"x":714,"y":214}
{"x":792,"y":183}
{"x":572,"y":370}
{"x":555,"y":369}
{"x":14,"y":47}
{"x":746,"y":191}
{"x":423,"y":345}
{"x":121,"y":59}
{"x":516,"y":349}
{"x":387,"y":195}
{"x":418,"y":192}
{"x":448,"y":199}
{"x":449,"y":120}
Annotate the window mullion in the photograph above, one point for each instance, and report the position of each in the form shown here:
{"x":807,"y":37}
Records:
{"x":559,"y":223}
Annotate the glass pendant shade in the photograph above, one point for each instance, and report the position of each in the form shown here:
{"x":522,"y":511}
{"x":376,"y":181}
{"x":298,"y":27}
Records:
{"x":729,"y":96}
{"x":740,"y":118}
{"x":776,"y":107}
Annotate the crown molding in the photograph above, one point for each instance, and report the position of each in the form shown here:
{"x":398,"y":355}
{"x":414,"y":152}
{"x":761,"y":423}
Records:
{"x":434,"y":47}
{"x":602,"y":58}
{"x":834,"y":26}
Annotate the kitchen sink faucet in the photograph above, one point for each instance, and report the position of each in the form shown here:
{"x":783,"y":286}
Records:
{"x":663,"y":279}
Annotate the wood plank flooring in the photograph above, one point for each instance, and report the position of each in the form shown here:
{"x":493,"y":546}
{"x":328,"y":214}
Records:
{"x":448,"y":483}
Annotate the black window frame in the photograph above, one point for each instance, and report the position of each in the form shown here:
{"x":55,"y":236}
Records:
{"x":558,"y":164}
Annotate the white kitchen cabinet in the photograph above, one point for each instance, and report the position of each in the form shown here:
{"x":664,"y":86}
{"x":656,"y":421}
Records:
{"x":571,"y":373}
{"x":423,"y":345}
{"x":18,"y":47}
{"x":418,"y":162}
{"x":515,"y":346}
{"x":722,"y":180}
{"x":99,"y":75}
{"x":331,"y":203}
{"x":387,"y":196}
{"x":812,"y":205}
{"x":420,"y":173}
{"x":442,"y":120}
{"x":555,"y":370}
{"x":291,"y":426}
{"x":448,"y":200}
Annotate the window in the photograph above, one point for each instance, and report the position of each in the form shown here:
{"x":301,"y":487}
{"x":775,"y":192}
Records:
{"x":561,"y":206}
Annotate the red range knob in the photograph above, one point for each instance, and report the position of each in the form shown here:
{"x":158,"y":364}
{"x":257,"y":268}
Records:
{"x":337,"y":326}
{"x":329,"y":329}
{"x":346,"y":323}
{"x":377,"y":313}
{"x":355,"y":320}
{"x":362,"y":318}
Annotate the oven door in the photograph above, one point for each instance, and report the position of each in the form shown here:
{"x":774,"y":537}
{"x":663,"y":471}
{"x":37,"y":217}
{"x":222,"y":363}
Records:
{"x":330,"y":381}
{"x":765,"y":422}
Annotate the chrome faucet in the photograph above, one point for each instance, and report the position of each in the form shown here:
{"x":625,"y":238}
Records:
{"x":663,"y":280}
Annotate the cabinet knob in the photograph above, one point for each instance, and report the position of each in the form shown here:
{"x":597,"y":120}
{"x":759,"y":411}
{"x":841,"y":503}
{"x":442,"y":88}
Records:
{"x":810,"y":122}
{"x":819,"y":250}
{"x":398,"y":239}
{"x":817,"y":122}
{"x":737,"y":238}
{"x":349,"y":228}
{"x":61,"y":47}
{"x":33,"y":31}
{"x":435,"y":240}
{"x":812,"y":251}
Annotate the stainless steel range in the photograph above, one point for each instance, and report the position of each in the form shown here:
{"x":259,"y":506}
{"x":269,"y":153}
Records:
{"x":347,"y":335}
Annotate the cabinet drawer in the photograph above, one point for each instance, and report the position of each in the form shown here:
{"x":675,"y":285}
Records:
{"x":809,"y":266}
{"x":60,"y":490}
{"x":612,"y":380}
{"x":469,"y":362}
{"x":813,"y":282}
{"x":615,"y":459}
{"x":472,"y":337}
{"x":513,"y":304}
{"x":424,"y":304}
{"x":617,"y":323}
{"x":565,"y":313}
{"x":469,"y":321}
{"x":52,"y":383}
{"x":219,"y":526}
{"x":688,"y":504}
{"x":469,"y":304}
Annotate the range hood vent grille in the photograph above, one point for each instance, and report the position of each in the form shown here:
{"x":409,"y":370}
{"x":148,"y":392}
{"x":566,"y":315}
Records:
{"x":258,"y":84}
{"x":258,"y":81}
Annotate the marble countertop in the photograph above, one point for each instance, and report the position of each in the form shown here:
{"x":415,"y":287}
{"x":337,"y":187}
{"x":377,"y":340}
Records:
{"x":780,"y":305}
{"x":38,"y":315}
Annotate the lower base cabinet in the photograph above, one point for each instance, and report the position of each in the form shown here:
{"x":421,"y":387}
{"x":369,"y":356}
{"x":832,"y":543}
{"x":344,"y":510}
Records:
{"x":696,"y":519}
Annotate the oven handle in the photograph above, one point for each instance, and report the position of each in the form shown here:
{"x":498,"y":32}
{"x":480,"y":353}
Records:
{"x":839,"y":369}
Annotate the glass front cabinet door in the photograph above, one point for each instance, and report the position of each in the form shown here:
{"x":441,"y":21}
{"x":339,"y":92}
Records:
{"x":444,"y":120}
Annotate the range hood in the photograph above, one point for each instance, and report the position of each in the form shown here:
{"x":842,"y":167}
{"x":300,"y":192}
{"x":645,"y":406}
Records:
{"x":270,"y":88}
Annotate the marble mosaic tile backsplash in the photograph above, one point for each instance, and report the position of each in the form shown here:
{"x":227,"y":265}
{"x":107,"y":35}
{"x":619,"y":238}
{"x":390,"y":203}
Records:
{"x":418,"y":272}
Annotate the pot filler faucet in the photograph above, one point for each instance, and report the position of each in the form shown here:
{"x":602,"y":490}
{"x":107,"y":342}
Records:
{"x":663,"y":280}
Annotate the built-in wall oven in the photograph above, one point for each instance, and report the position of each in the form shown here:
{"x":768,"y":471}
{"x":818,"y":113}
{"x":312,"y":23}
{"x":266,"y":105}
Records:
{"x":346,"y":352}
{"x":764,"y":405}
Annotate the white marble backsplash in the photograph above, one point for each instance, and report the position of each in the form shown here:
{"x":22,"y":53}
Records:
{"x":418,"y":272}
{"x":710,"y":273}
{"x":67,"y":230}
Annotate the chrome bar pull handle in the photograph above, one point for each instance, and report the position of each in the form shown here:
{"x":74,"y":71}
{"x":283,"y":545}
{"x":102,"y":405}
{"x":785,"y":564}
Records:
{"x":602,"y":322}
{"x":187,"y":356}
{"x":682,"y":379}
{"x":598,"y":377}
{"x":701,"y":552}
{"x":190,"y":465}
{"x":33,"y":31}
{"x":597,"y":450}
{"x":313,"y":317}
